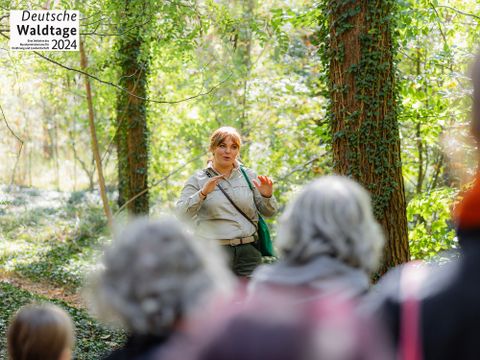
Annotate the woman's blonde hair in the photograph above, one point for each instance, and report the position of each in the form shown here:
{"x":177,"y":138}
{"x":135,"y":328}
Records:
{"x":39,"y":331}
{"x":221,"y":134}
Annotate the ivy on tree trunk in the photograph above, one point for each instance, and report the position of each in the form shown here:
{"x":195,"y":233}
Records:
{"x":365,"y":135}
{"x":132,"y":131}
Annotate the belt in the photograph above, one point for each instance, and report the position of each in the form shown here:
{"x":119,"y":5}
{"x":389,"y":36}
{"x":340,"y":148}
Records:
{"x":239,"y":241}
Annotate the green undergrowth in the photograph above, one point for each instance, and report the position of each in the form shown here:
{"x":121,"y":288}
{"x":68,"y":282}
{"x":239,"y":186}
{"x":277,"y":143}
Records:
{"x":92,"y":339}
{"x":431,"y":229}
{"x":55,"y":242}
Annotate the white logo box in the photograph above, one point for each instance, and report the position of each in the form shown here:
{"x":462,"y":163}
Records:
{"x":44,"y":30}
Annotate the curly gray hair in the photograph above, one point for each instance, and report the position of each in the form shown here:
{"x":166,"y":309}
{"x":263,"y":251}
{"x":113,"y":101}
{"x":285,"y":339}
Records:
{"x":332,"y":216}
{"x":154,"y":275}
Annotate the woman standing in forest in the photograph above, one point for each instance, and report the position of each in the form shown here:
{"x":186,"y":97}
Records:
{"x":218,"y":198}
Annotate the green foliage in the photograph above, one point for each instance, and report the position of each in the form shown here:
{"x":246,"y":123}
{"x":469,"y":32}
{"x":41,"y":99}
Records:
{"x":56,"y":244}
{"x":429,"y":217}
{"x":93,"y":341}
{"x":259,"y":66}
{"x":435,"y":49}
{"x":49,"y":237}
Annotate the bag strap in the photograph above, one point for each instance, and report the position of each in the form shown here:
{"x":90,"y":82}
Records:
{"x":250,"y":186}
{"x":246,"y":178}
{"x":411,"y":278}
{"x":231,"y":201}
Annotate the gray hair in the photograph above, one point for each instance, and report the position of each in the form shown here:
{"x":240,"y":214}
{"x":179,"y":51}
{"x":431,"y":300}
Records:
{"x":332,"y":216}
{"x":154,"y":275}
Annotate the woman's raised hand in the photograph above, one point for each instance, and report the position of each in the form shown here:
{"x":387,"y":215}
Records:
{"x":265,"y":187}
{"x":209,"y":186}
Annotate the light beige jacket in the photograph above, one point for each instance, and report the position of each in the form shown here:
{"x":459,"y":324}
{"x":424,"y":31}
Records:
{"x":215,"y":217}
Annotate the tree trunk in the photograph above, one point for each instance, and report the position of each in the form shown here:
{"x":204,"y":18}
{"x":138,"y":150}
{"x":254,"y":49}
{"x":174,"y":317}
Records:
{"x":47,"y":136}
{"x":87,"y":168}
{"x":132,"y":132}
{"x":93,"y":134}
{"x":366,"y":144}
{"x":56,"y":153}
{"x":30,"y":182}
{"x":243,"y":49}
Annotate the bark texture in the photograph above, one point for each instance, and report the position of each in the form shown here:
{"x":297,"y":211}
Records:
{"x":132,"y":130}
{"x":366,"y":143}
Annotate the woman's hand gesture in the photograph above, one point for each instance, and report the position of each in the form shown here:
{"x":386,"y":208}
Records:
{"x":265,"y":187}
{"x":209,"y":186}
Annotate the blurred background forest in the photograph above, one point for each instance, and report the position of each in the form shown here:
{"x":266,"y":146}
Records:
{"x":256,"y":65}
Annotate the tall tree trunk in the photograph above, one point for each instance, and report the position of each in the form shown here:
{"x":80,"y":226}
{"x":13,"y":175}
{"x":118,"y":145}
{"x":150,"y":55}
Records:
{"x":366,"y":144}
{"x":86,"y":167}
{"x":56,"y":153}
{"x":132,"y":132}
{"x":47,"y":136}
{"x":421,"y":174}
{"x":71,"y":134}
{"x":243,"y":49}
{"x":93,"y":134}
{"x":30,"y":182}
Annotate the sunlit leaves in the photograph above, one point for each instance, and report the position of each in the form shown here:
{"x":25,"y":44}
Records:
{"x":431,"y":230}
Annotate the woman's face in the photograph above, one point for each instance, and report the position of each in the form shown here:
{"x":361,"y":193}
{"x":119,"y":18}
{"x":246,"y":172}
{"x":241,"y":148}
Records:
{"x":225,"y":153}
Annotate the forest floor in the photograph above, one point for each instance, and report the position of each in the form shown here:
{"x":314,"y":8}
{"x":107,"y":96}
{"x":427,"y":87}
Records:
{"x":49,"y":242}
{"x":43,"y":288}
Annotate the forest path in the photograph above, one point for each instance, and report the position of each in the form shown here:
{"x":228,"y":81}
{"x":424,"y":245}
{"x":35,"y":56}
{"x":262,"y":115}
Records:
{"x":43,"y":289}
{"x":43,"y":242}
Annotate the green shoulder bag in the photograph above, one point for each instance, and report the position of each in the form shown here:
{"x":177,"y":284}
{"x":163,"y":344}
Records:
{"x":264,"y":242}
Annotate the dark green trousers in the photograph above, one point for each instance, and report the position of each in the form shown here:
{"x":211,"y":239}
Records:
{"x":243,"y":259}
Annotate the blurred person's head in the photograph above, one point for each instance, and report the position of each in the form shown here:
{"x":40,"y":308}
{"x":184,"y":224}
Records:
{"x":332,"y":216}
{"x":327,"y":330}
{"x":154,"y":276}
{"x":40,"y":332}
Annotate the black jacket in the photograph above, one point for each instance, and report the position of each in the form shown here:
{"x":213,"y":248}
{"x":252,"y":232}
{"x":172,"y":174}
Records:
{"x":450,"y":306}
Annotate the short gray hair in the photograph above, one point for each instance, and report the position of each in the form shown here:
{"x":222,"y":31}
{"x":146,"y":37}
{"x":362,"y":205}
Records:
{"x":154,"y":275}
{"x":332,"y":216}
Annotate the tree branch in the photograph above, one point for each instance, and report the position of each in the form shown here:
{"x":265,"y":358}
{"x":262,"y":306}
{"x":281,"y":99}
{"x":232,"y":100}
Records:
{"x":439,"y":23}
{"x":212,"y":89}
{"x":459,"y":11}
{"x":8,"y":126}
{"x":157,"y":183}
{"x":127,"y":30}
{"x":298,"y":168}
{"x":21,"y":146}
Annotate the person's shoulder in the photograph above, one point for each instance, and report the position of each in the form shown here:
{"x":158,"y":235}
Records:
{"x":388,"y":289}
